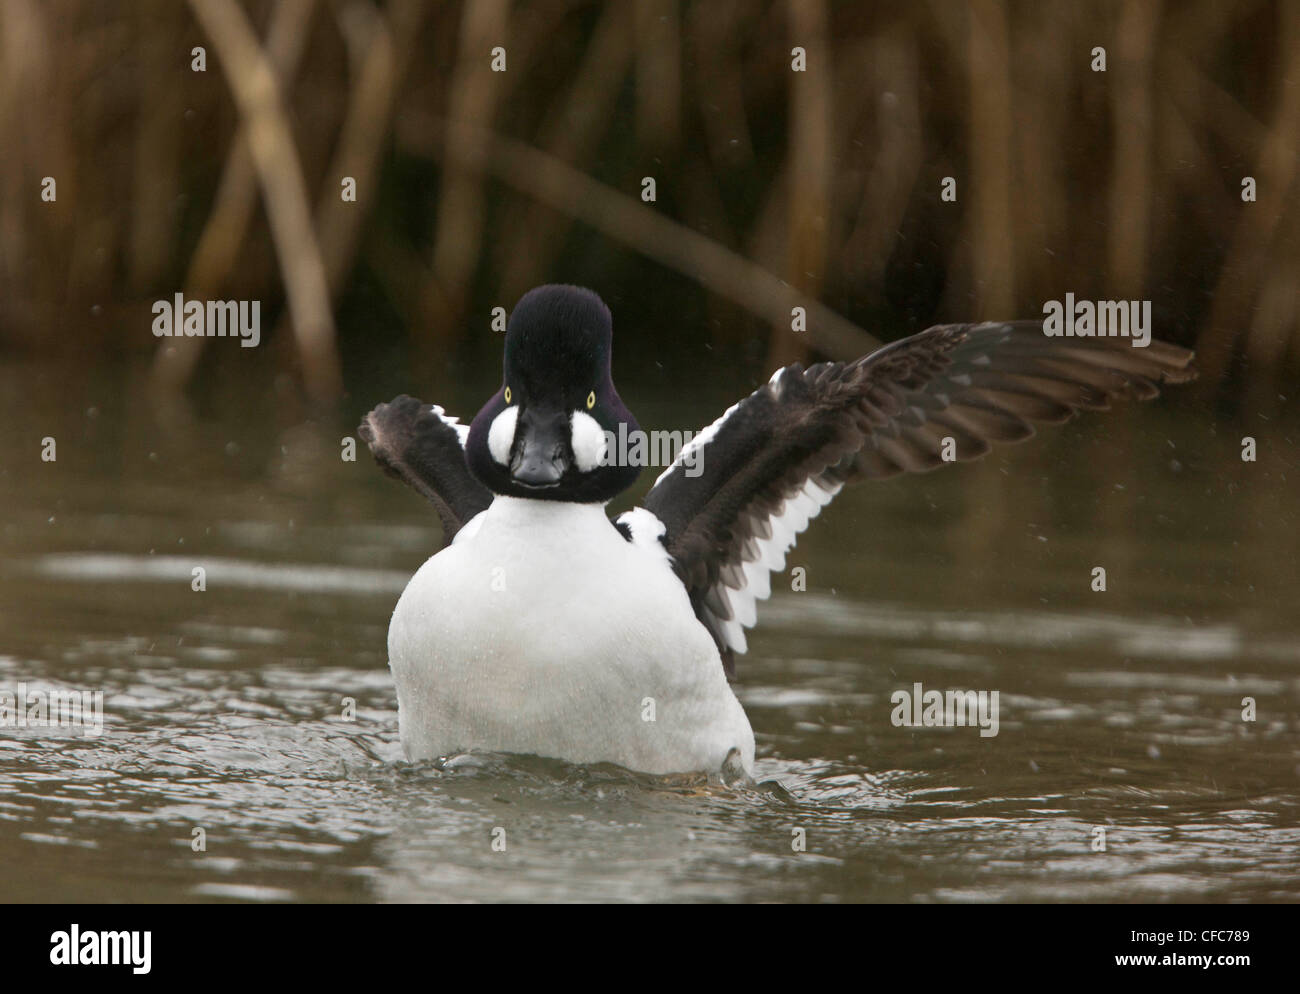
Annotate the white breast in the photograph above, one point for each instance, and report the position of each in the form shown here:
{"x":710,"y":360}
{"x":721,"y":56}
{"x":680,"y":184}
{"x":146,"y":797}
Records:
{"x":541,"y":630}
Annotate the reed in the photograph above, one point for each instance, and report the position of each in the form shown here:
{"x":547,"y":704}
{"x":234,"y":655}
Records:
{"x":775,"y":188}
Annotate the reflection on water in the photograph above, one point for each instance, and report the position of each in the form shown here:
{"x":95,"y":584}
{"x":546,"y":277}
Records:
{"x":224,"y":709}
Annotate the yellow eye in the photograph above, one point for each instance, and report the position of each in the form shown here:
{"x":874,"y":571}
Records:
{"x":507,"y":395}
{"x":591,"y":400}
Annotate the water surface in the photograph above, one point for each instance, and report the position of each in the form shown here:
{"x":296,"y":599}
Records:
{"x":1120,"y":710}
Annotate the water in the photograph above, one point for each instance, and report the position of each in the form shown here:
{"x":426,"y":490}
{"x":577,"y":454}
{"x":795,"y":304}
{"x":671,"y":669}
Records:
{"x":224,"y":708}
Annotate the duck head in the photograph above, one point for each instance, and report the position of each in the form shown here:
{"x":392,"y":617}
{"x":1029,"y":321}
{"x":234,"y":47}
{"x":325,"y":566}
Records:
{"x":542,"y":435}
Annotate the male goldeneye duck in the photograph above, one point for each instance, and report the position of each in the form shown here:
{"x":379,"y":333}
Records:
{"x":543,"y":627}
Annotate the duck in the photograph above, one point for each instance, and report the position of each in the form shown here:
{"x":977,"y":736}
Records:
{"x":545,"y":627}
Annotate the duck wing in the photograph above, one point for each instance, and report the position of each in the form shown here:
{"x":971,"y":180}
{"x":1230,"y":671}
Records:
{"x":423,"y":446}
{"x":734,"y":500}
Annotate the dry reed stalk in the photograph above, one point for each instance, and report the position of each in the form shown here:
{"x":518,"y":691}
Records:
{"x":1252,"y":240}
{"x":717,"y":30}
{"x":475,"y":94}
{"x":992,"y":243}
{"x":627,"y":221}
{"x":225,"y":233}
{"x":1131,"y":194}
{"x":658,"y":75}
{"x":809,"y":155}
{"x":381,"y":47}
{"x":1042,"y":209}
{"x":253,"y":85}
{"x":571,"y":133}
{"x":156,"y":180}
{"x":893,"y":142}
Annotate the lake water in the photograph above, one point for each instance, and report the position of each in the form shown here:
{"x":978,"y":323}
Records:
{"x":1120,"y":710}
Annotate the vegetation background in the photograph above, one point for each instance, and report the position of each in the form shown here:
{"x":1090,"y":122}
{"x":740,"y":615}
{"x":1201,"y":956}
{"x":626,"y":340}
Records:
{"x":773,"y":186}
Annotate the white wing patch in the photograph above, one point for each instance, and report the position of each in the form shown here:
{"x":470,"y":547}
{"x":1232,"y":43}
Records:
{"x":695,"y":444}
{"x":766,"y":556}
{"x":704,"y":437}
{"x":462,"y":431}
{"x":646,"y":529}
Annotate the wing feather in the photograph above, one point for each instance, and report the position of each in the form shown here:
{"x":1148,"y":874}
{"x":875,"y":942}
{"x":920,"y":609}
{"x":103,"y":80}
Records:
{"x":424,"y":447}
{"x":771,"y":463}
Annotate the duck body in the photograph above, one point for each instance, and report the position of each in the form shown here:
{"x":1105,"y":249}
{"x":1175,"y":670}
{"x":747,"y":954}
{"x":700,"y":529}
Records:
{"x":543,"y":630}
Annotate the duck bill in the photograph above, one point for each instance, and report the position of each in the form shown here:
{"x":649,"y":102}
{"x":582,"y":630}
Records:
{"x":541,"y":451}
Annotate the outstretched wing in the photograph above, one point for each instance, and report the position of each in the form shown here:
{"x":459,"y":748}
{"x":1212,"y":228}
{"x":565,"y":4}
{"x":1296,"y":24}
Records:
{"x":736,"y":496}
{"x":421,"y":445}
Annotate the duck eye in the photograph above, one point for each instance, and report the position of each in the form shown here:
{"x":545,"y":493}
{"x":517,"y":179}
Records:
{"x":507,"y":395}
{"x":591,"y":400}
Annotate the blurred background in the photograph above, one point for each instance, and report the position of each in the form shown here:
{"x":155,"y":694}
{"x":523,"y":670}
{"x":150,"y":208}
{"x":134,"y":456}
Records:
{"x":773,"y":189}
{"x":771,"y":185}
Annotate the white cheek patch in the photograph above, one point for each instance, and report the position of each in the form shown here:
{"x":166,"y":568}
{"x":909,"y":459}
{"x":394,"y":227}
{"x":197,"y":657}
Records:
{"x":501,"y":435}
{"x":588,"y":440}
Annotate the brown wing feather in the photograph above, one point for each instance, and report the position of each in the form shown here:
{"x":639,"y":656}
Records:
{"x":419,"y":445}
{"x":795,"y":441}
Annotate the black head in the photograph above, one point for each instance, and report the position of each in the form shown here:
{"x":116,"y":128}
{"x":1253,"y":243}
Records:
{"x":543,"y":434}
